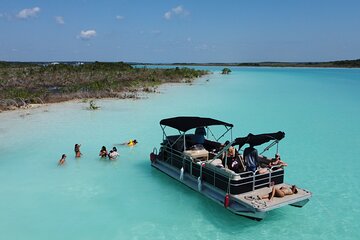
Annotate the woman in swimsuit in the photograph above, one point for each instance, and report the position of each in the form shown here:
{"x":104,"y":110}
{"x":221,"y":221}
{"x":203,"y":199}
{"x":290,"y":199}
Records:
{"x":280,"y":192}
{"x":103,"y":152}
{"x":77,"y":150}
{"x":62,"y":160}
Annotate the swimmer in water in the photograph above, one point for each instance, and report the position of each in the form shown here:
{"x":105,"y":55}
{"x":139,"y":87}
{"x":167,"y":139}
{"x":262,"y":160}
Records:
{"x":77,"y":150}
{"x":130,"y":143}
{"x":62,"y":160}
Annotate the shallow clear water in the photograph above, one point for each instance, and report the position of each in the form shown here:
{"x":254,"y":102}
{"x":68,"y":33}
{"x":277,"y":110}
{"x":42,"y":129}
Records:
{"x":90,"y":198}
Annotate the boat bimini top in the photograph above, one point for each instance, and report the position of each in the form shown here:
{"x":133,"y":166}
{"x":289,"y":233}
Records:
{"x":186,"y":123}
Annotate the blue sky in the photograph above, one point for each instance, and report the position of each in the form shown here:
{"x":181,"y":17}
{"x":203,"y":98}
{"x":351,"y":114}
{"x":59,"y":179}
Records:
{"x":170,"y":31}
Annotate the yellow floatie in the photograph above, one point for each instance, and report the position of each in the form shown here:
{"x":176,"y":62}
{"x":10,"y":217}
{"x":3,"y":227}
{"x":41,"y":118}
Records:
{"x":132,"y":142}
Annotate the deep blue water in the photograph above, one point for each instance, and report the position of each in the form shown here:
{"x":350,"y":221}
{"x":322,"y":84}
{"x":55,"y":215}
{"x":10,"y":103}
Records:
{"x":90,"y":198}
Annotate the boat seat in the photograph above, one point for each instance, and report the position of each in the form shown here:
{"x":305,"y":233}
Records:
{"x":217,"y":163}
{"x":201,"y":155}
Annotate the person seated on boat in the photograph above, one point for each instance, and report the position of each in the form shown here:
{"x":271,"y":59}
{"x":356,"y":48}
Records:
{"x":277,"y":161}
{"x":280,"y":192}
{"x":77,"y":150}
{"x":233,"y":160}
{"x":113,"y":154}
{"x":103,"y":152}
{"x":251,"y":160}
{"x":265,"y":162}
{"x":62,"y":160}
{"x":199,"y":137}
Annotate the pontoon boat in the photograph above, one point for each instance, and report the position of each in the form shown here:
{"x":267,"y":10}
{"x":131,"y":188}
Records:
{"x":204,"y":166}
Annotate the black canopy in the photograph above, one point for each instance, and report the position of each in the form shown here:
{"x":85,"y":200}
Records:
{"x":259,"y":139}
{"x":186,"y":123}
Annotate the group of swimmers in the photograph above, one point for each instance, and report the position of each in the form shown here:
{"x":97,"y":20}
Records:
{"x":112,"y":155}
{"x":77,"y":154}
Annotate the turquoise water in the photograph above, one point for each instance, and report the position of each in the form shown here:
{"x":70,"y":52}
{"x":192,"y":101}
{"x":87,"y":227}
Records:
{"x":90,"y":198}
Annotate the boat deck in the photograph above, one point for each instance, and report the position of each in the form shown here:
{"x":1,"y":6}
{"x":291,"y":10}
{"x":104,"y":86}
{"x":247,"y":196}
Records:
{"x":254,"y":198}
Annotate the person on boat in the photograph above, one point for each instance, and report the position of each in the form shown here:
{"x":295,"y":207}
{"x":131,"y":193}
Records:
{"x":280,"y":192}
{"x":199,"y":137}
{"x":252,"y":160}
{"x":77,"y":150}
{"x":103,"y":152}
{"x":113,"y":154}
{"x":265,"y":162}
{"x":277,"y":161}
{"x":62,"y":160}
{"x":233,"y":160}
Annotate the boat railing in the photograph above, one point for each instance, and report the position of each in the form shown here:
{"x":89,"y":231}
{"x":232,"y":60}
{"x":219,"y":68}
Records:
{"x":258,"y":180}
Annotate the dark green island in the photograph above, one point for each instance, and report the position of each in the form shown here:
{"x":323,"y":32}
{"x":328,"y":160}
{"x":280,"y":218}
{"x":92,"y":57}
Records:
{"x":330,"y":64}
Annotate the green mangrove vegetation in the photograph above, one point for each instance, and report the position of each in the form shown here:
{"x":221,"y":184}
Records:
{"x":330,"y":64}
{"x":25,"y":83}
{"x":226,"y":71}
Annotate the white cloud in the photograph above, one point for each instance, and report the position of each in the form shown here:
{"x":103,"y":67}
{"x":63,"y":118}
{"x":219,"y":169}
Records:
{"x":87,"y":35}
{"x":59,"y":20}
{"x":118,"y":17}
{"x":179,"y":10}
{"x":167,"y":15}
{"x":188,"y":39}
{"x":28,"y":12}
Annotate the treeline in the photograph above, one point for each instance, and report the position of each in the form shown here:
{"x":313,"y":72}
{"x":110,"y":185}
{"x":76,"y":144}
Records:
{"x":30,"y":82}
{"x":332,"y":64}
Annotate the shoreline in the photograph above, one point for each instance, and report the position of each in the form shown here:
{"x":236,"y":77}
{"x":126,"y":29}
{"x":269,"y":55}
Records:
{"x":134,"y":95}
{"x":22,"y":84}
